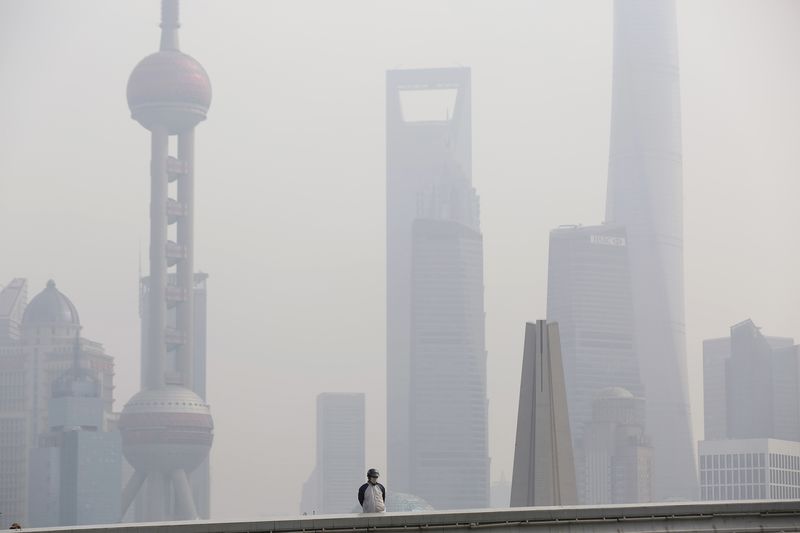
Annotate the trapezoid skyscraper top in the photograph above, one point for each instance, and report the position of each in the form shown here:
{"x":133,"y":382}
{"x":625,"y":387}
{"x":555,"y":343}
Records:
{"x":544,"y":471}
{"x":645,"y":196}
{"x":436,"y":355}
{"x":167,"y":428}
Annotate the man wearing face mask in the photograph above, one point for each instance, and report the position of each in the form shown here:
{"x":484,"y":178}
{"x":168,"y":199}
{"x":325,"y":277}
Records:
{"x":372,"y":495}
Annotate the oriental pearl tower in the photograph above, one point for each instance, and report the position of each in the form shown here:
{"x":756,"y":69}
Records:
{"x":166,"y":428}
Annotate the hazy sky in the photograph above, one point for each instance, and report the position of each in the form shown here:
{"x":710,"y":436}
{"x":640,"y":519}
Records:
{"x":291,"y":187}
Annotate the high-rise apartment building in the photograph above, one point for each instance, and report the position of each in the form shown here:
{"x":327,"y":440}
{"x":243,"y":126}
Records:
{"x":436,"y":356}
{"x":589,"y":296}
{"x":341,"y":438}
{"x":544,"y":471}
{"x":39,"y":348}
{"x":645,"y":188}
{"x":617,"y":455}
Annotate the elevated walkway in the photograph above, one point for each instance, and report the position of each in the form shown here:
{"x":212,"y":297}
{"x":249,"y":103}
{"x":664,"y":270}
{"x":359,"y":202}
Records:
{"x":722,"y":517}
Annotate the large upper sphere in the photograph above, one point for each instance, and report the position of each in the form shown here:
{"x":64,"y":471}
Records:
{"x":169,"y":89}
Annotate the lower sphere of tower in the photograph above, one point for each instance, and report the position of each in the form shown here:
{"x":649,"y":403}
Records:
{"x":166,"y":429}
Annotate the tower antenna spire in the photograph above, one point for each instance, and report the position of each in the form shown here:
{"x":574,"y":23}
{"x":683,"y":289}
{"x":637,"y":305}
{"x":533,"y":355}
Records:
{"x":169,"y":25}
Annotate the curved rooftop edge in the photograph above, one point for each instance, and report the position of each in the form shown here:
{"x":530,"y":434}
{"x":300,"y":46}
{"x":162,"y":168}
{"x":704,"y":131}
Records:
{"x":761,"y":516}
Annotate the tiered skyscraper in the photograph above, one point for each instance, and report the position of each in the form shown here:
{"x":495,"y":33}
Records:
{"x":167,"y":428}
{"x":436,"y":356}
{"x":645,"y":195}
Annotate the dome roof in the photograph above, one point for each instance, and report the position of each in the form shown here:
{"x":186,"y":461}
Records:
{"x":50,"y":307}
{"x":169,"y":88}
{"x":612,"y":393}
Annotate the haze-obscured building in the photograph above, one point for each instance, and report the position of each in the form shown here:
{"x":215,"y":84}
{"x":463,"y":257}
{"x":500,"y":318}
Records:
{"x":645,"y":196}
{"x":341,"y":437}
{"x":617,"y":454}
{"x":589,"y":296}
{"x":38,"y":348}
{"x":76,"y":469}
{"x":437,"y":416}
{"x":751,"y":385}
{"x":752,"y":416}
{"x":749,"y":469}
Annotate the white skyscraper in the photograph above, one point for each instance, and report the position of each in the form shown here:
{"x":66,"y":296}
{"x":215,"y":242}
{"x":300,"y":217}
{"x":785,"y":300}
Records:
{"x":645,"y":196}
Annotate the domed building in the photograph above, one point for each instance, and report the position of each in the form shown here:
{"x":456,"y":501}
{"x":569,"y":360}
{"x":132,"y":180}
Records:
{"x":42,"y":356}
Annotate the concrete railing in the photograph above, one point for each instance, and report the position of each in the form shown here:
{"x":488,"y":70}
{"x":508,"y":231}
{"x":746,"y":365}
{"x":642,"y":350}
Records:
{"x":724,"y":517}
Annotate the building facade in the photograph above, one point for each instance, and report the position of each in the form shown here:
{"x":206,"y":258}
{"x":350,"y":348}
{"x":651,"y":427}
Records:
{"x":645,"y":188}
{"x":618,"y":458}
{"x":749,"y":469}
{"x":341,"y":437}
{"x":39,"y":347}
{"x":436,"y":358}
{"x":589,"y":296}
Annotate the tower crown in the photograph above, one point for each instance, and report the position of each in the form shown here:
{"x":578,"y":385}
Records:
{"x":169,"y":89}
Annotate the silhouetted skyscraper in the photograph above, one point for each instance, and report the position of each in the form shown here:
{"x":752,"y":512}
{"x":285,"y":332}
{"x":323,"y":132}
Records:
{"x":544,"y":471}
{"x":589,"y":296}
{"x":645,"y":188}
{"x":436,"y":358}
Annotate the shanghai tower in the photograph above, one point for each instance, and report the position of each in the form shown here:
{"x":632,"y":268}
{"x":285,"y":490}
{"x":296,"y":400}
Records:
{"x":167,"y":428}
{"x":645,"y":196}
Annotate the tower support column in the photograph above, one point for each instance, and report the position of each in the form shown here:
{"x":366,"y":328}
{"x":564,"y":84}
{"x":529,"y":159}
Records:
{"x":158,"y":259}
{"x":185,"y":310}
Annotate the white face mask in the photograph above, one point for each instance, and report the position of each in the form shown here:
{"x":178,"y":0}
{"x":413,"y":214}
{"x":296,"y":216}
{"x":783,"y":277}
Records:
{"x":373,"y":480}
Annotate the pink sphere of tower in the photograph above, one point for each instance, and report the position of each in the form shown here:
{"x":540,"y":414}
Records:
{"x":169,"y":89}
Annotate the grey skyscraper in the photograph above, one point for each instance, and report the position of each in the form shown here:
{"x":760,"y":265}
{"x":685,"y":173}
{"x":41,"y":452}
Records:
{"x":751,"y":386}
{"x":436,"y":358}
{"x":589,"y":296}
{"x":544,"y":471}
{"x":340,"y":451}
{"x":167,"y":428}
{"x":645,"y":196}
{"x":617,"y":455}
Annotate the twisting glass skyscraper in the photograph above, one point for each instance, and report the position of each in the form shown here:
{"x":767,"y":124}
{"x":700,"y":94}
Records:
{"x":645,"y":197}
{"x":436,"y":356}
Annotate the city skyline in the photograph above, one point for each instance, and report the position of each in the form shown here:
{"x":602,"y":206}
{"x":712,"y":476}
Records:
{"x":259,"y":304}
